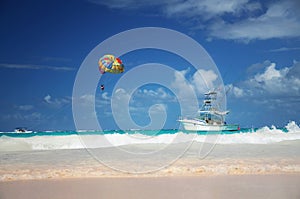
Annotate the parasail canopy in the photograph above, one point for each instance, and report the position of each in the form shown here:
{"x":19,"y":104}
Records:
{"x":110,"y":64}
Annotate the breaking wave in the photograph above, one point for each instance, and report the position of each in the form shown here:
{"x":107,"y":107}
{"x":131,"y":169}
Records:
{"x":264,"y":135}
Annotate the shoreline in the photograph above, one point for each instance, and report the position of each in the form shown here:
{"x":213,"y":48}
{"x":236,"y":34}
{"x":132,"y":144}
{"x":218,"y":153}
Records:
{"x":182,"y":168}
{"x":223,"y":186}
{"x":280,"y":158}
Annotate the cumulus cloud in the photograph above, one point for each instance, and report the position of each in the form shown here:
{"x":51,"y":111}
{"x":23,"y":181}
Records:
{"x":200,"y":82}
{"x":191,"y":88}
{"x":181,"y":85}
{"x":270,"y":74}
{"x":236,"y":91}
{"x":273,"y":82}
{"x":203,"y":80}
{"x":243,"y":20}
{"x":257,"y":67}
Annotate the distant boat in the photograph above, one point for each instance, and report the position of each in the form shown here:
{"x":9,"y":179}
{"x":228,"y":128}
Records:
{"x":22,"y":130}
{"x":210,"y":118}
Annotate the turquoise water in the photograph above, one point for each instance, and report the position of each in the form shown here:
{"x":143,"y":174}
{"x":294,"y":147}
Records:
{"x":131,"y":132}
{"x":56,"y":154}
{"x":52,"y":140}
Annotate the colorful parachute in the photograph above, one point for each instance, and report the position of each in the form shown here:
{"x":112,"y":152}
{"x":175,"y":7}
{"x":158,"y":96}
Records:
{"x":110,"y":64}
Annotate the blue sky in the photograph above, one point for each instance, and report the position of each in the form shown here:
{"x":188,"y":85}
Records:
{"x":255,"y":45}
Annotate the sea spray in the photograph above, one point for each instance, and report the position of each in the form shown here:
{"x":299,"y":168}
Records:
{"x":75,"y":140}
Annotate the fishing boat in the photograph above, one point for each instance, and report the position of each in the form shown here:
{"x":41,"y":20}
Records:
{"x":210,"y":117}
{"x":22,"y":130}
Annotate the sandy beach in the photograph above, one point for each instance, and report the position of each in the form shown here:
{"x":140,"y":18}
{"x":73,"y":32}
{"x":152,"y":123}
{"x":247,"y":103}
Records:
{"x":242,"y":186}
{"x":226,"y":171}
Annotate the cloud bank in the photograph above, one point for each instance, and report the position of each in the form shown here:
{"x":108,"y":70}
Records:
{"x":242,"y":20}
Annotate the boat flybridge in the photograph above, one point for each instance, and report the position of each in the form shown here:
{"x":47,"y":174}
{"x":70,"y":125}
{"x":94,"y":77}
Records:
{"x":210,"y":117}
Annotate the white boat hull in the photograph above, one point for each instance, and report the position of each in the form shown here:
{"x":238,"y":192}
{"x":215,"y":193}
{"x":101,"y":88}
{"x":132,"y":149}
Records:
{"x":22,"y":130}
{"x":198,"y":125}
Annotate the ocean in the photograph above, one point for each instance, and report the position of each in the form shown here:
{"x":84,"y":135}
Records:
{"x":65,"y":154}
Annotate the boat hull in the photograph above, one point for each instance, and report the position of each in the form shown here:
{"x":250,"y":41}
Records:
{"x":195,"y":125}
{"x":22,"y":130}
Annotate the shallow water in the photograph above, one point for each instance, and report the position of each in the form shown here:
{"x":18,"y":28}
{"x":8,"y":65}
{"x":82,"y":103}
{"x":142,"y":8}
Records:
{"x":55,"y":140}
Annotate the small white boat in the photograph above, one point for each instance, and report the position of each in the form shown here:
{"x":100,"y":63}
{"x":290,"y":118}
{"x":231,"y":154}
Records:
{"x":210,"y":118}
{"x":22,"y":130}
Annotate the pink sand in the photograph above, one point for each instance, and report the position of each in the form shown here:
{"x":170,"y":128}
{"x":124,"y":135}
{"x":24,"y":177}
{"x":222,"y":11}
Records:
{"x":237,"y":186}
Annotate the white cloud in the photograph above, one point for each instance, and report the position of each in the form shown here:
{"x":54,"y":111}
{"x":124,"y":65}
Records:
{"x":258,"y":67}
{"x":272,"y":80}
{"x":209,"y":9}
{"x":145,"y":104}
{"x":144,"y":110}
{"x":105,"y":96}
{"x":203,"y":80}
{"x":206,"y":9}
{"x":270,"y":83}
{"x":47,"y":98}
{"x":190,"y":89}
{"x":35,"y":116}
{"x":25,"y":107}
{"x":243,"y":20}
{"x":158,"y":108}
{"x":157,"y":95}
{"x":57,"y":102}
{"x":141,"y":99}
{"x":270,"y":74}
{"x":86,"y":100}
{"x":271,"y":94}
{"x":182,"y":86}
{"x":36,"y":67}
{"x":284,"y":49}
{"x":121,"y":95}
{"x":281,"y":20}
{"x":236,"y":91}
{"x":163,"y":94}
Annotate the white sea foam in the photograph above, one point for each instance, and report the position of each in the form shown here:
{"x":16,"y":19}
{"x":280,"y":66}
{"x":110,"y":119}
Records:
{"x":263,"y":135}
{"x":39,"y":143}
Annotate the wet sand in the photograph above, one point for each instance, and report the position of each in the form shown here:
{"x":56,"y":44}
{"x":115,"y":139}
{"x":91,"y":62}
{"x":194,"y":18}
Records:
{"x":227,"y":186}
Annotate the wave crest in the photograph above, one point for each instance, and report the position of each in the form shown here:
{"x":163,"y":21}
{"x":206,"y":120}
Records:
{"x":264,"y":135}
